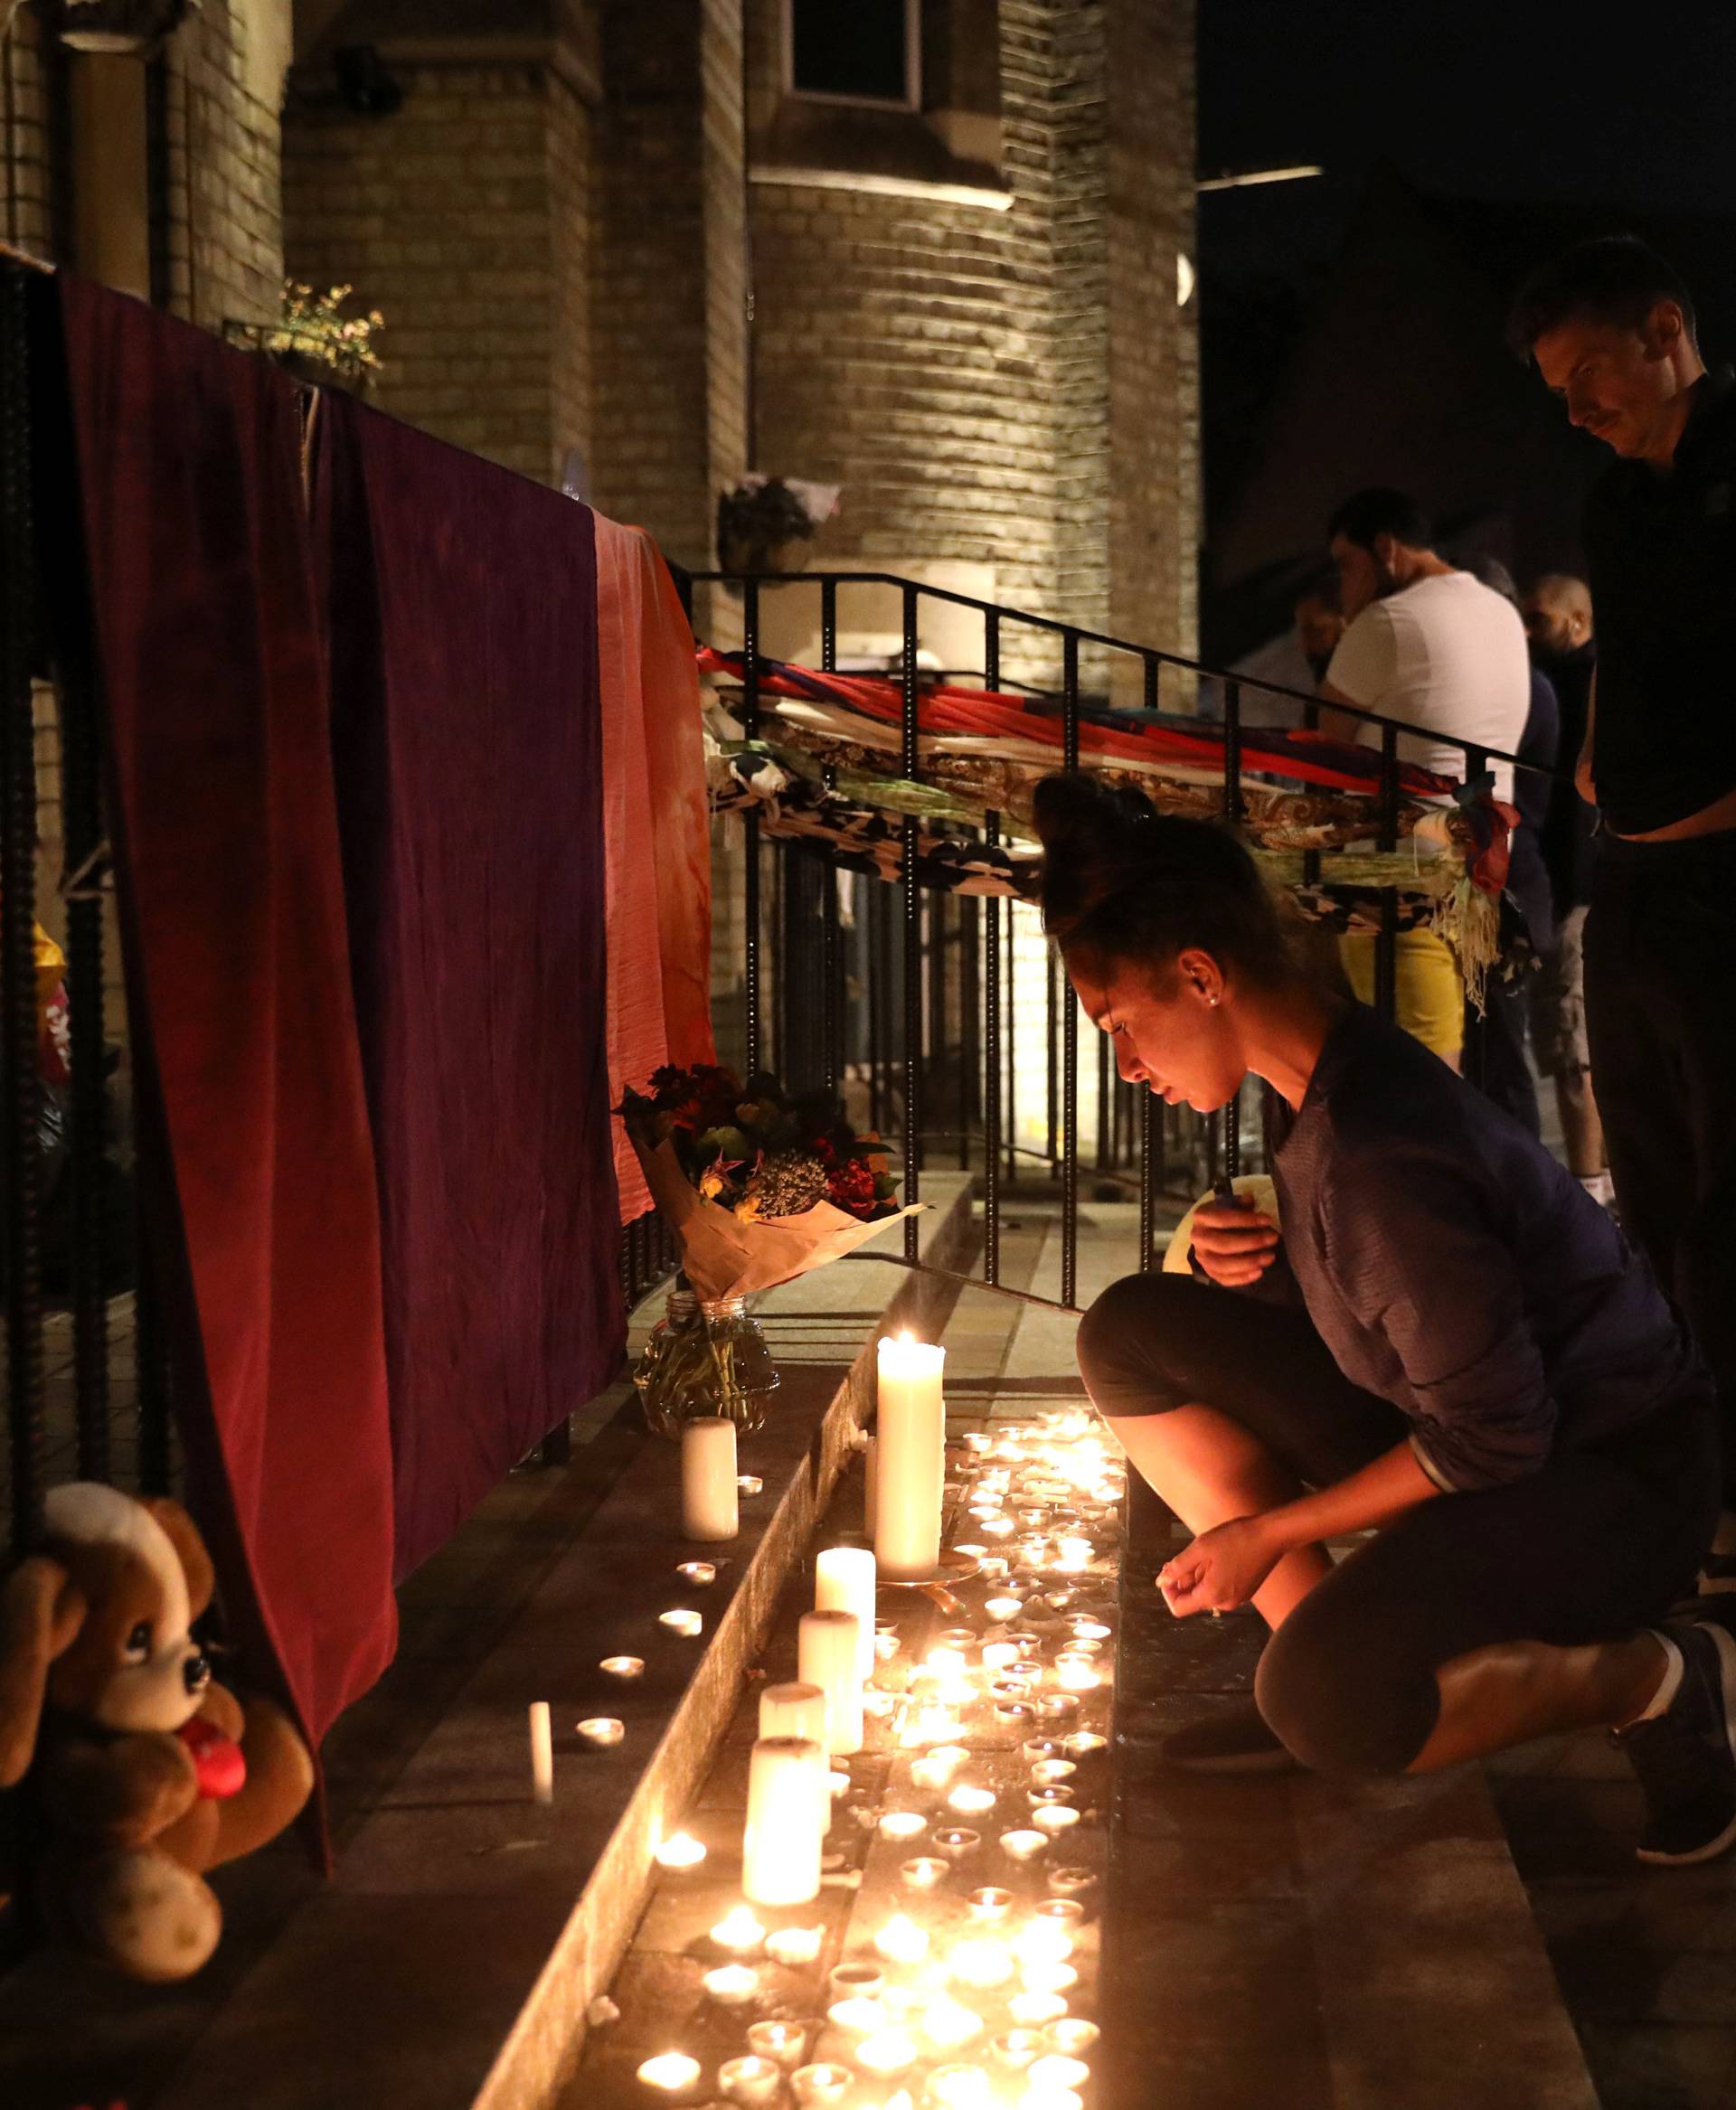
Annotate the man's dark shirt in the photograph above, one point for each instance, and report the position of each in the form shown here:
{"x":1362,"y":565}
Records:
{"x":1453,"y":1267}
{"x":1528,"y":878}
{"x":1570,"y":830}
{"x":1661,"y":551}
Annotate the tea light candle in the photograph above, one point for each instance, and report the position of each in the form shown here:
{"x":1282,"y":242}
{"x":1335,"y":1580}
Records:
{"x":795,"y":1945}
{"x":1084,"y":1744}
{"x":731,"y":1986}
{"x":790,"y":1806}
{"x":541,"y":1752}
{"x":887,"y":2051}
{"x":1001,"y":1609}
{"x":961,"y":2088}
{"x":681,"y":1620}
{"x":701,"y":1574}
{"x":602,"y":1730}
{"x":1032,"y":2010}
{"x":1058,"y":1706}
{"x":1054,"y":1818}
{"x":826,"y":1652}
{"x":956,"y":1841}
{"x":1072,"y":2035}
{"x":1090,"y":1629}
{"x":709,"y":1509}
{"x":1065,"y":1913}
{"x":1076,"y":1675}
{"x":936,"y":1770}
{"x":1051,"y":2098}
{"x":970,"y":1801}
{"x":844,"y":1581}
{"x":902,"y":1824}
{"x":856,"y":2018}
{"x":623,"y":1666}
{"x":982,"y":1964}
{"x":1017,"y":2048}
{"x":902,"y":1941}
{"x":1049,"y":1978}
{"x":1041,"y":1747}
{"x":670,"y":2073}
{"x":1051,"y":1771}
{"x":948,"y":2023}
{"x":793,"y":1710}
{"x":682,"y":1850}
{"x":1023,"y":1844}
{"x":1056,"y":2071}
{"x":748,"y":1484}
{"x":818,"y":2086}
{"x":1041,"y":1798}
{"x":1069,"y":1882}
{"x":855,"y":1981}
{"x":923,"y":1873}
{"x":738,"y":1932}
{"x":781,"y":2042}
{"x":910,"y":1460}
{"x":750,"y":2081}
{"x":990,"y":1904}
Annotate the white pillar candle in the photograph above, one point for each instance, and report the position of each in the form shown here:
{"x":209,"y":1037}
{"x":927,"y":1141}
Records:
{"x":910,"y":1458}
{"x":710,"y":1508}
{"x":788,"y":1807}
{"x":826,"y":1652}
{"x":541,"y":1752}
{"x":844,"y":1581}
{"x":793,"y":1710}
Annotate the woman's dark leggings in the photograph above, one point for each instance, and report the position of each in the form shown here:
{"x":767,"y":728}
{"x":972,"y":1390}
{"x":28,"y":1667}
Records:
{"x":1597,"y":1542}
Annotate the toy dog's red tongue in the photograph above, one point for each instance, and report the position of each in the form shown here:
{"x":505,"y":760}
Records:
{"x":216,"y":1759}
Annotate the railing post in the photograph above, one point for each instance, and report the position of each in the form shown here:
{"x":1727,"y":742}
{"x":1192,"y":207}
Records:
{"x":1070,"y":1019}
{"x":1233,"y":752}
{"x":23,"y":1257}
{"x":751,"y":820}
{"x":992,"y":1070}
{"x":912,"y":940}
{"x":1011,"y":1113}
{"x":1150,"y":1169}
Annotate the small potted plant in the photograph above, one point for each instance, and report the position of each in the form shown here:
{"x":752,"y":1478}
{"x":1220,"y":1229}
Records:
{"x":316,"y":341}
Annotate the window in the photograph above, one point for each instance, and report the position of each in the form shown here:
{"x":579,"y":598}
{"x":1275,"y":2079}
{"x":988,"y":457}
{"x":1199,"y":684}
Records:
{"x":854,"y":50}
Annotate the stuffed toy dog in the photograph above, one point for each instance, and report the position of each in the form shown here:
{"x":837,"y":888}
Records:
{"x":138,"y":1771}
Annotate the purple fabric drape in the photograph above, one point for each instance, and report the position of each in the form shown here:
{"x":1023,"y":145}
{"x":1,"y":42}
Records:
{"x":243,"y":1027}
{"x":463,"y":611}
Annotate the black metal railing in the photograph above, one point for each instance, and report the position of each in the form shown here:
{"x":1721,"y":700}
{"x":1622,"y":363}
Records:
{"x":898,"y":1037}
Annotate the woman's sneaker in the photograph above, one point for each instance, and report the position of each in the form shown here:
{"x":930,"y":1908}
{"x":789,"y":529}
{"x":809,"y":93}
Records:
{"x":1686,"y":1758}
{"x":1236,"y":1742}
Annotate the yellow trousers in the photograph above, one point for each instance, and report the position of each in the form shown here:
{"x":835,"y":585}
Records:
{"x":1429,"y":989}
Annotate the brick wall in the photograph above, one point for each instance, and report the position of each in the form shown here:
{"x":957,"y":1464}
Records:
{"x":34,"y":189}
{"x":461,"y":217}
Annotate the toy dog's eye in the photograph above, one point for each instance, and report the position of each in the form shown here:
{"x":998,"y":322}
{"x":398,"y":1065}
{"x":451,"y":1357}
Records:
{"x":138,"y":1641}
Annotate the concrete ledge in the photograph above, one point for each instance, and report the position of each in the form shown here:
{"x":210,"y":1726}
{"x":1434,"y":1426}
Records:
{"x":452,"y":1960}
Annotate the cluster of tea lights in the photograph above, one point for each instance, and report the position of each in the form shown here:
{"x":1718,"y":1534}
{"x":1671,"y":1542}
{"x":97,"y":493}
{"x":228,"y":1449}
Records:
{"x":959,"y":1998}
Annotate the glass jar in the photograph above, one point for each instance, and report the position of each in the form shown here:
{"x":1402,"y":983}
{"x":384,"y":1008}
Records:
{"x":706,"y":1360}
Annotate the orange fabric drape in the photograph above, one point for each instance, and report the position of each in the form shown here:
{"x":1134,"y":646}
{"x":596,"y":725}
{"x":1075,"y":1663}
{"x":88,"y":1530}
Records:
{"x":656,"y":829}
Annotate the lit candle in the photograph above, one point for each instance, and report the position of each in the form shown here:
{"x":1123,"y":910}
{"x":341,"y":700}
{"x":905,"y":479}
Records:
{"x":902,"y":1824}
{"x":738,"y":1932}
{"x":1055,"y":2072}
{"x":1051,"y":1771}
{"x":856,"y":2018}
{"x":709,"y":1509}
{"x":682,"y":1621}
{"x":972,"y":1802}
{"x":956,"y":1841}
{"x":1051,"y":2098}
{"x":541,"y":1752}
{"x":623,"y":1666}
{"x":731,"y":1985}
{"x":671,"y":2073}
{"x":855,"y":1981}
{"x":937,"y":1768}
{"x":781,"y":2042}
{"x":1072,"y":2035}
{"x":982,"y":1964}
{"x":602,"y":1730}
{"x":1066,"y":1913}
{"x":990,"y":1903}
{"x":902,"y":1941}
{"x":789,"y":1804}
{"x":794,"y":1944}
{"x":887,"y":2051}
{"x":701,"y":1574}
{"x":1076,"y":1675}
{"x":1001,"y":1609}
{"x":827,"y":1656}
{"x":1023,"y":1844}
{"x":1017,"y":2048}
{"x":748,"y":1484}
{"x":1031,"y":2010}
{"x":750,"y":2081}
{"x":681,"y":1852}
{"x":844,"y":1581}
{"x":1082,"y":1744}
{"x":961,"y":2087}
{"x":948,"y":2023}
{"x":1054,"y":1818}
{"x":911,"y":1458}
{"x":793,"y":1710}
{"x":816,"y":2088}
{"x":1050,"y":1978}
{"x":923,"y":1873}
{"x":1069,"y":1883}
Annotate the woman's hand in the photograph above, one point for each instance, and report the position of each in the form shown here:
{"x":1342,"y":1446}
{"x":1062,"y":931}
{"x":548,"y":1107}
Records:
{"x":1222,"y":1567}
{"x":1234,"y":1242}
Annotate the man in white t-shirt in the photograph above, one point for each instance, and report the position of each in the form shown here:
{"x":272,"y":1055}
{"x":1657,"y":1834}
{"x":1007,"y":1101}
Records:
{"x":1429,"y":646}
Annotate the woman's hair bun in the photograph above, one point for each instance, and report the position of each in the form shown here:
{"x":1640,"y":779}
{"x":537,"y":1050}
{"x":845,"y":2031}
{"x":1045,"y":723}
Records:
{"x":1097,"y":841}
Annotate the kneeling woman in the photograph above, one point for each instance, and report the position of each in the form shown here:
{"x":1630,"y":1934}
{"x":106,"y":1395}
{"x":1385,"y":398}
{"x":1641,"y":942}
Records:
{"x":1451,"y":1346}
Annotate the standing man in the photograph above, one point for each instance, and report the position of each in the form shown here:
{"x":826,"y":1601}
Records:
{"x":1557,"y":612}
{"x":1611,"y":329}
{"x":1427,"y":645}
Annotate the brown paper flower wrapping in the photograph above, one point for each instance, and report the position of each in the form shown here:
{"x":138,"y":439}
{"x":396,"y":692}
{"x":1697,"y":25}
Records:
{"x":723,"y":1256}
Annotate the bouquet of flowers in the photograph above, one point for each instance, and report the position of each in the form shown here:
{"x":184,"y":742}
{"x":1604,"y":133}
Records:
{"x":757,"y":1183}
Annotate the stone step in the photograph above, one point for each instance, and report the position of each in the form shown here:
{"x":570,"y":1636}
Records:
{"x":450,"y":1962}
{"x":1325,"y":1944}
